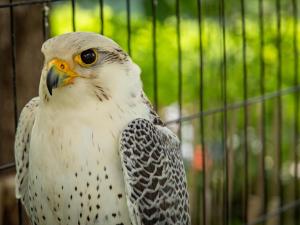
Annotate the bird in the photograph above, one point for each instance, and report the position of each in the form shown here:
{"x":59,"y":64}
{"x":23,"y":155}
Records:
{"x":90,"y":149}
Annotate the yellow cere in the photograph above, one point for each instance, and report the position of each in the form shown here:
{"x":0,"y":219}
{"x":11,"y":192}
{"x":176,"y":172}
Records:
{"x":63,"y":69}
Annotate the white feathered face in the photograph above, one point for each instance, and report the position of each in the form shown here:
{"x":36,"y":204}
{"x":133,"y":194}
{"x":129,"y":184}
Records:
{"x":86,"y":64}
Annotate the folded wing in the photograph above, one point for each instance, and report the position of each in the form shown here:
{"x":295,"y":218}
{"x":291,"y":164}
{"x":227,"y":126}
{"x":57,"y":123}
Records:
{"x":154,"y":175}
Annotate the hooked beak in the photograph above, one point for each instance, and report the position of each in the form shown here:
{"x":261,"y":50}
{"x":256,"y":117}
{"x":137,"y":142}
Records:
{"x":59,"y":74}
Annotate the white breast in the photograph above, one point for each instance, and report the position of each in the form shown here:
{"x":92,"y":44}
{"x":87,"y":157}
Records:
{"x":75,"y":174}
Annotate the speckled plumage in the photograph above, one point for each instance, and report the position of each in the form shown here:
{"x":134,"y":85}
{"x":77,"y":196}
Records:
{"x":95,"y":152}
{"x":154,"y":174}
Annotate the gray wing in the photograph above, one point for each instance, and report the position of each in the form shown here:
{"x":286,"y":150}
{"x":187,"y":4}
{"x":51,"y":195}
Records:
{"x":154,"y":175}
{"x":22,"y":148}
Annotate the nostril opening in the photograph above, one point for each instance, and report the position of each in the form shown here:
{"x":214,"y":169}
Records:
{"x":62,"y":66}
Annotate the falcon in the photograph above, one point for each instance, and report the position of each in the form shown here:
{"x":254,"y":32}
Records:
{"x":90,"y":149}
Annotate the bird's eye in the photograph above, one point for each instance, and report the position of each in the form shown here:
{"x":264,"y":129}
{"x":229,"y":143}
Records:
{"x":87,"y":57}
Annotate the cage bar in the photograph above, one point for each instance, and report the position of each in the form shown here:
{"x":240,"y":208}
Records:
{"x":223,"y":73}
{"x":279,"y":110}
{"x":245,"y":89}
{"x":201,"y":125}
{"x":13,"y":57}
{"x":101,"y":15}
{"x":279,"y":211}
{"x":296,"y":110}
{"x":45,"y":21}
{"x":178,"y":34}
{"x":263,"y":108}
{"x":154,"y":54}
{"x":14,"y":87}
{"x":238,"y":105}
{"x":73,"y":15}
{"x":128,"y":27}
{"x":29,"y":2}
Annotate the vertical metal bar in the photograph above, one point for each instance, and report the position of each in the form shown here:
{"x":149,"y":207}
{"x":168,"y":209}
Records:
{"x":296,"y":111}
{"x":279,"y":108}
{"x":45,"y":21}
{"x":73,"y":15}
{"x":13,"y":55}
{"x":201,"y":108}
{"x":14,"y":87}
{"x":178,"y":34}
{"x":128,"y":27}
{"x":154,"y":54}
{"x":245,"y":78}
{"x":263,"y":107}
{"x":224,"y":118}
{"x":20,"y":212}
{"x":101,"y":17}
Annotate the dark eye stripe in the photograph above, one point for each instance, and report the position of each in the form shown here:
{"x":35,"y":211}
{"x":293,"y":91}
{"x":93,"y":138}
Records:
{"x":88,"y":56}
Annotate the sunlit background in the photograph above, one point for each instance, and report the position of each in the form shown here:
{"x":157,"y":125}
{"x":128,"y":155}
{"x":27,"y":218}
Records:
{"x":250,"y":149}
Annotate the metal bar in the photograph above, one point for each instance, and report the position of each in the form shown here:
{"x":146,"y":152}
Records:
{"x":22,"y":3}
{"x":279,"y":211}
{"x":45,"y":21}
{"x":154,"y":54}
{"x":237,"y":105}
{"x":14,"y":87}
{"x":224,"y":117}
{"x":128,"y":27}
{"x":296,"y":111}
{"x":209,"y":112}
{"x":20,"y":212}
{"x":13,"y":55}
{"x":73,"y":15}
{"x":279,"y":109}
{"x":263,"y":108}
{"x":201,"y":108}
{"x":101,"y":17}
{"x":7,"y":166}
{"x":245,"y":87}
{"x":178,"y":34}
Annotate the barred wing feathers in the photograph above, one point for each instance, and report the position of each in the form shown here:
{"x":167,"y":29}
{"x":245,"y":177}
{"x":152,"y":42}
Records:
{"x":154,"y":175}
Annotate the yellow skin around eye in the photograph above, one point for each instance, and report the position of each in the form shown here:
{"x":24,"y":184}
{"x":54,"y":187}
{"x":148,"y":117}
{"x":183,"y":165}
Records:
{"x":78,"y":60}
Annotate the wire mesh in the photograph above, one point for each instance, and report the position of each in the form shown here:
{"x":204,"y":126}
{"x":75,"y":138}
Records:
{"x":201,"y":211}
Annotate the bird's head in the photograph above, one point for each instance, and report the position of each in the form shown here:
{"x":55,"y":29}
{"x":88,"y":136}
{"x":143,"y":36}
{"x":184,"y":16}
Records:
{"x":81,"y":65}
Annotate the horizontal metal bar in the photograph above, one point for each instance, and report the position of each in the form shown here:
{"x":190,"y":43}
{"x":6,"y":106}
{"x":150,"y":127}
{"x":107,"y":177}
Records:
{"x":275,"y":212}
{"x":22,"y":3}
{"x":232,"y":106}
{"x":7,"y":166}
{"x":237,"y":105}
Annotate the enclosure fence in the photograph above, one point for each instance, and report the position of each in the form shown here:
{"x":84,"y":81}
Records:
{"x":200,"y":203}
